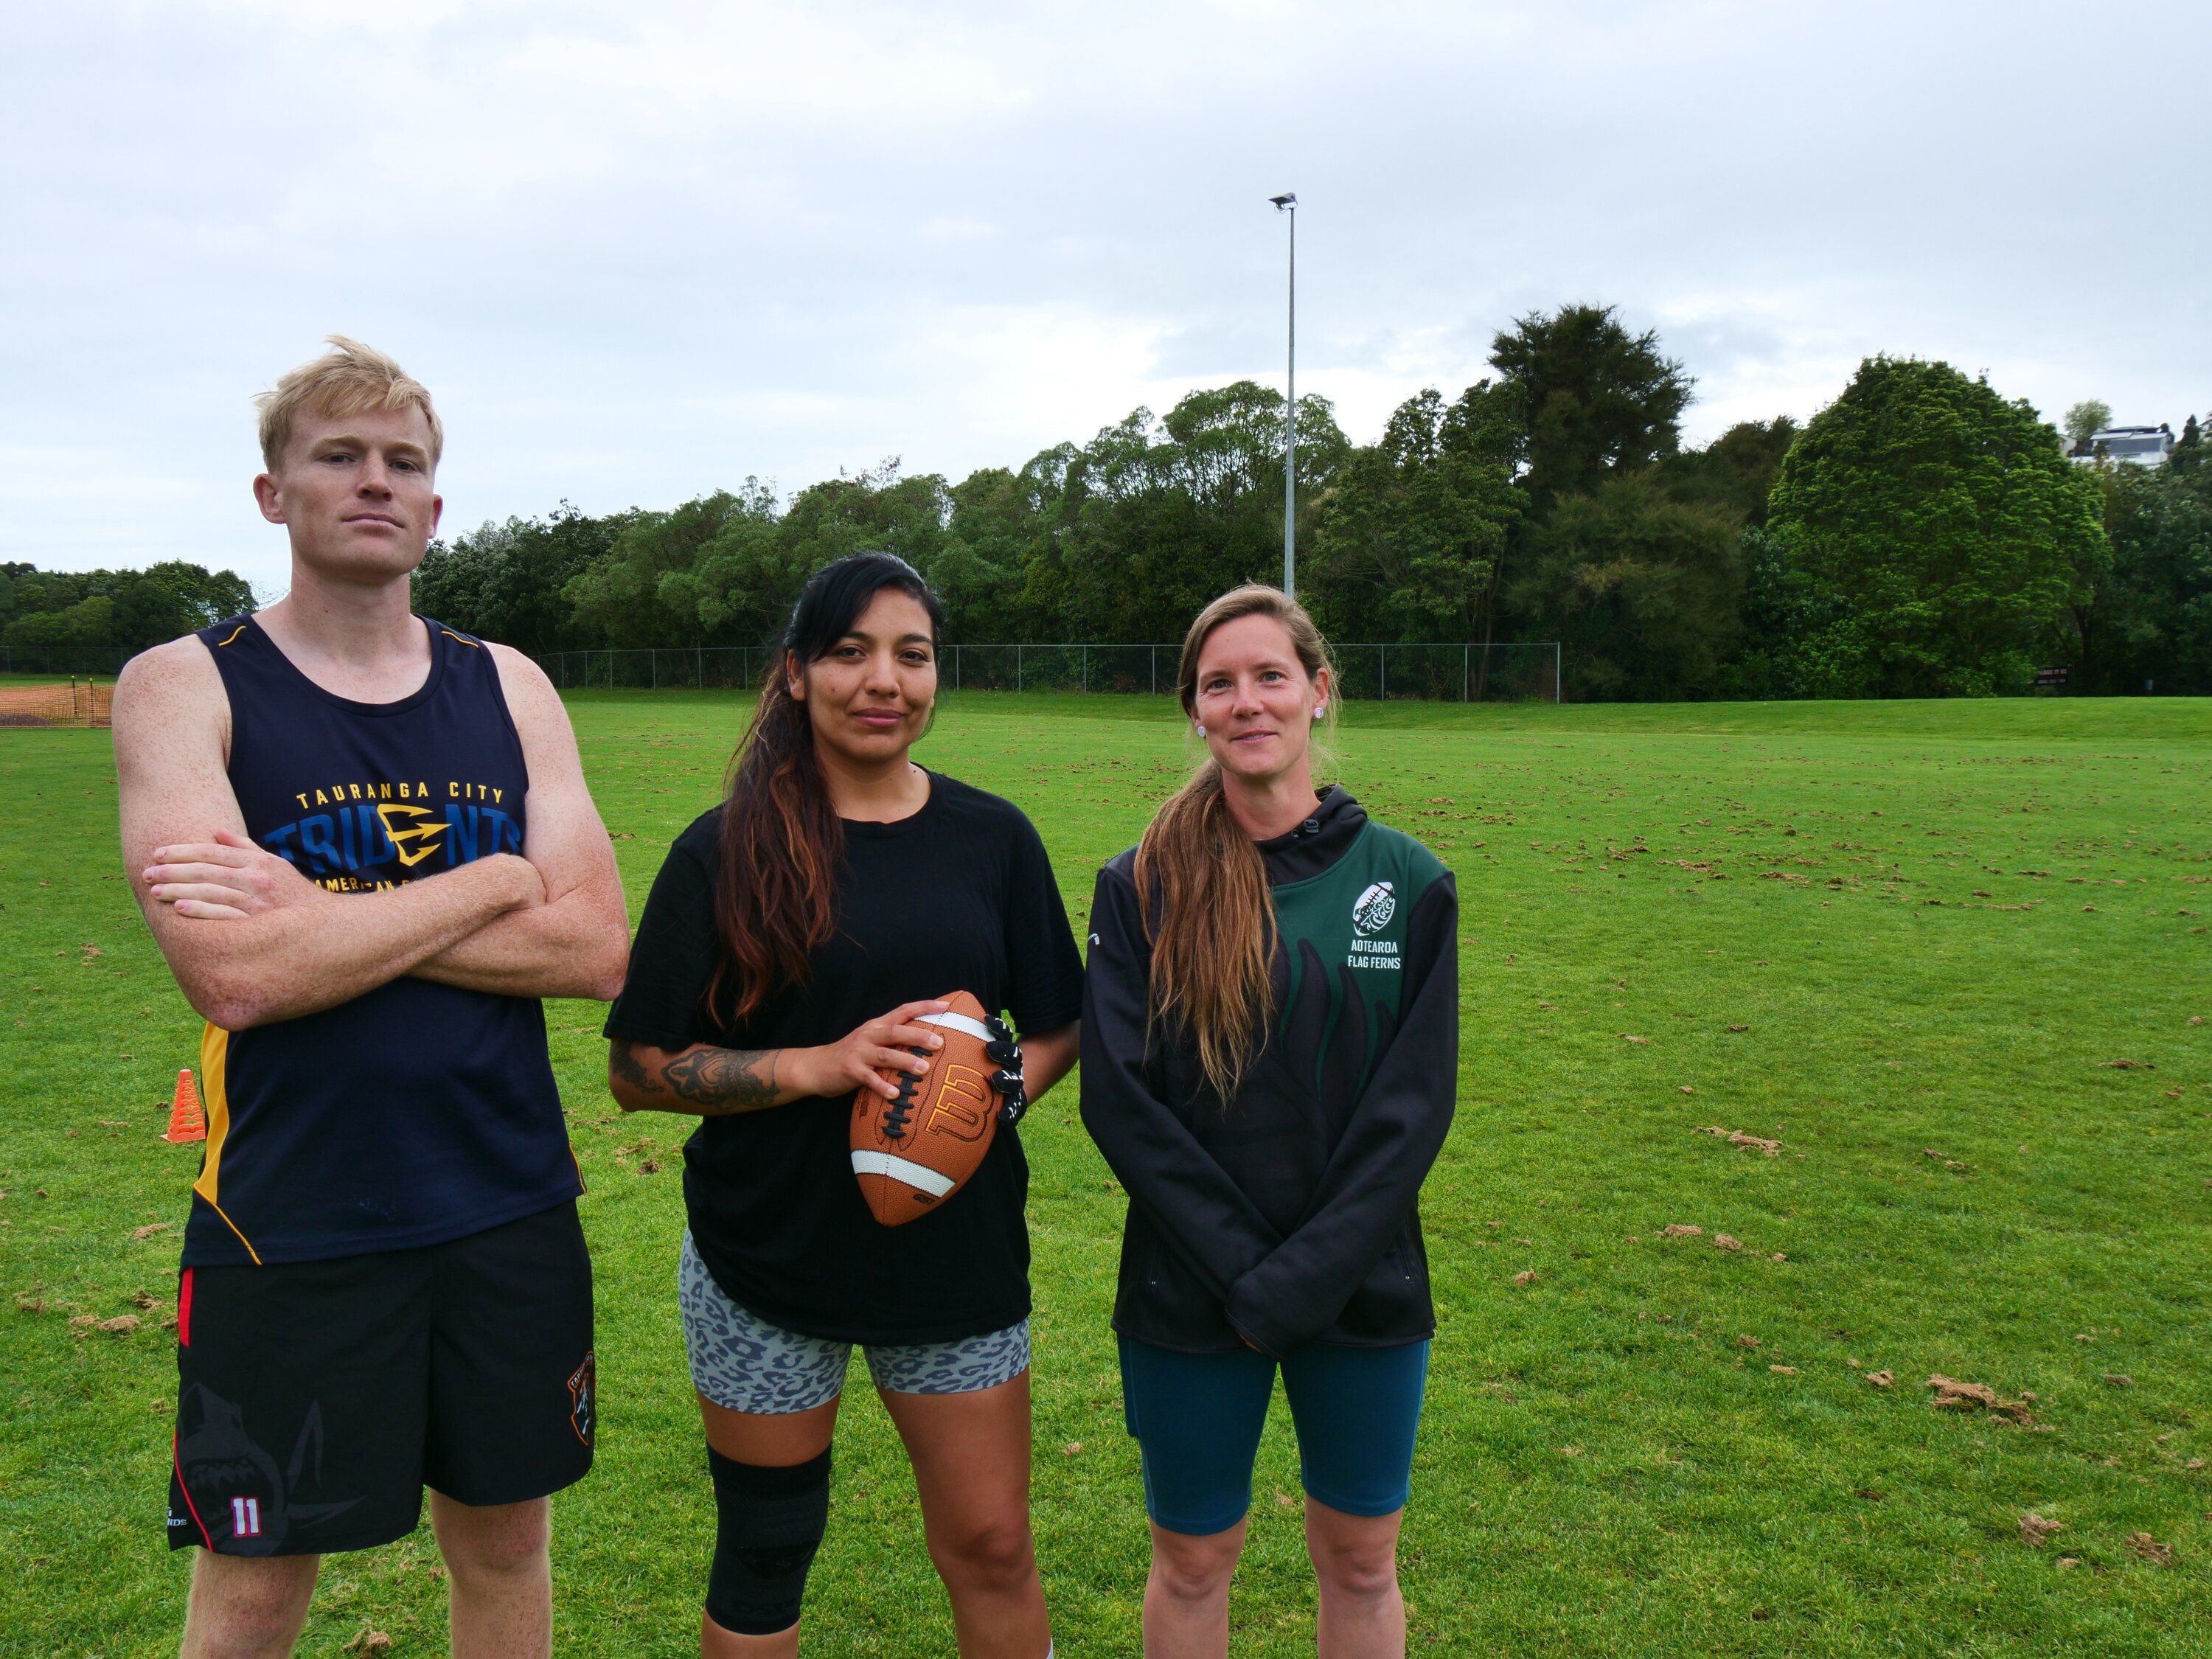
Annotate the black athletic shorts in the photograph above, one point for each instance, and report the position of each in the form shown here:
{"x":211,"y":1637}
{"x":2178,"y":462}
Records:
{"x":315,"y":1400}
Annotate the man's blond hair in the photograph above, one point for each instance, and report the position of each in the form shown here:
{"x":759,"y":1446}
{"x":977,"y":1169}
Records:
{"x":349,"y":379}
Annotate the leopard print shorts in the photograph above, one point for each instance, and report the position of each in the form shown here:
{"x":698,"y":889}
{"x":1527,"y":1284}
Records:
{"x":744,"y":1364}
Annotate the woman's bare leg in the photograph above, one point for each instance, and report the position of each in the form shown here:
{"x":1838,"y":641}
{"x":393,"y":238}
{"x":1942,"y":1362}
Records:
{"x":1355,"y":1558}
{"x":971,"y":1464}
{"x":1187,"y":1593}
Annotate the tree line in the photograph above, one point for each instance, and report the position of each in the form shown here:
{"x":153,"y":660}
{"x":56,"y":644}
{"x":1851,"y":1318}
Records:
{"x":1922,"y":535}
{"x":122,"y":610}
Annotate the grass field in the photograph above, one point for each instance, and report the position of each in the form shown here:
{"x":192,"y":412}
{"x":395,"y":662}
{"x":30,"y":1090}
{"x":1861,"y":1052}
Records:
{"x":1907,"y":941}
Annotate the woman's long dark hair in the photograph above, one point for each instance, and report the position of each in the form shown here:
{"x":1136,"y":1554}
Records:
{"x":780,"y":842}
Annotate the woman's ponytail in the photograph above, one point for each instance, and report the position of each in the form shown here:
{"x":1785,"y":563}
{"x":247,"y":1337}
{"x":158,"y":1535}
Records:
{"x":1202,"y":890}
{"x":1202,"y":884}
{"x":775,"y":904}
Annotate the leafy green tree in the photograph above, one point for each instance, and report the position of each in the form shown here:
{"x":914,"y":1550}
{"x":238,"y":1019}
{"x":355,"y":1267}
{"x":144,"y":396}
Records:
{"x":1642,"y":590}
{"x":2090,"y":415}
{"x":1736,"y":470}
{"x":620,"y":598}
{"x":742,"y":586}
{"x":127,"y":609}
{"x":725,"y":569}
{"x":2151,"y":619}
{"x":1591,"y":398}
{"x":1410,"y":535}
{"x":1949,"y":519}
{"x":1138,"y":528}
{"x":89,"y":620}
{"x":981,"y":572}
{"x":509,"y":581}
{"x":1799,"y":637}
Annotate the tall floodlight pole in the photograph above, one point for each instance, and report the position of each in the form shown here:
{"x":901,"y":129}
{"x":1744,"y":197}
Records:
{"x":1288,"y":204}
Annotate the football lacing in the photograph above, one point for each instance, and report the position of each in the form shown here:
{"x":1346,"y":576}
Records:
{"x":894,"y":1121}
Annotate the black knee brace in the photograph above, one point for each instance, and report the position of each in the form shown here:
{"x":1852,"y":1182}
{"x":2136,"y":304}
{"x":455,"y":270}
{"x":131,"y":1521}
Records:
{"x":769,"y":1522}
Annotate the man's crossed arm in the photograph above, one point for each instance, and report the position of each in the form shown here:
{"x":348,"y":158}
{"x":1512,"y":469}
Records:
{"x":252,"y":940}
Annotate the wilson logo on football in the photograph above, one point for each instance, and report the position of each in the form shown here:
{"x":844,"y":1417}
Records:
{"x":912,"y":1153}
{"x":964,"y":1108}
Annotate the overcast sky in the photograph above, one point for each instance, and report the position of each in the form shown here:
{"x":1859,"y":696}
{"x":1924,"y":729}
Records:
{"x":638,"y":251}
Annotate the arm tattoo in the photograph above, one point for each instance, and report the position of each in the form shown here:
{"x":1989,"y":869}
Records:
{"x":725,"y":1080}
{"x":624,"y":1060}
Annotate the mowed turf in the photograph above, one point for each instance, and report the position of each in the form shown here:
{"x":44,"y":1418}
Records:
{"x":1912,"y":944}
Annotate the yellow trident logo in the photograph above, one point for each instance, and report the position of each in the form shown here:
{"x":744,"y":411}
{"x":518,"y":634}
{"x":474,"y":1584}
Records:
{"x":421,"y":838}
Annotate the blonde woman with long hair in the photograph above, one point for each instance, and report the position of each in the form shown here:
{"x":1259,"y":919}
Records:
{"x":1270,"y":1056}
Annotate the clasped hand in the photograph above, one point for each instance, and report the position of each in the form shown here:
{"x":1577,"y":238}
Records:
{"x":226,"y":879}
{"x":858,"y":1059}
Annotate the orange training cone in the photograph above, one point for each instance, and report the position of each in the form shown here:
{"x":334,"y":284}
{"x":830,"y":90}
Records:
{"x":186,"y":1121}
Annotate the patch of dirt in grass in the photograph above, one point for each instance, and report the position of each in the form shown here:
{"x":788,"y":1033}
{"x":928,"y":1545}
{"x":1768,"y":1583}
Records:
{"x":2036,"y":1529}
{"x":121,"y":1325}
{"x":1954,"y":1396}
{"x":1968,"y":1394}
{"x":1739,"y":1138}
{"x":2158,"y":1554}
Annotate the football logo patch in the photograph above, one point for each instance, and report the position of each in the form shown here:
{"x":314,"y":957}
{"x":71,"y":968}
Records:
{"x":583,"y":1398}
{"x":1372,"y":910}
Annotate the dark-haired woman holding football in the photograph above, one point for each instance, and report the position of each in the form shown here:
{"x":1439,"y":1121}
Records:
{"x":1271,"y":1052}
{"x":793,"y":936}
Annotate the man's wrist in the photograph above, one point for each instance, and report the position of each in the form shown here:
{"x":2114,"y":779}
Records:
{"x":519,"y":884}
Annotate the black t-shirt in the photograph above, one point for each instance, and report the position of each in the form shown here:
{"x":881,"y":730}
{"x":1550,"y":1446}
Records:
{"x":960,"y":896}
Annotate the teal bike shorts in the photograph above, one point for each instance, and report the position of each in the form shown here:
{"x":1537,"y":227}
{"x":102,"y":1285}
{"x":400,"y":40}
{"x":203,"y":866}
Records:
{"x":1197,"y":1419}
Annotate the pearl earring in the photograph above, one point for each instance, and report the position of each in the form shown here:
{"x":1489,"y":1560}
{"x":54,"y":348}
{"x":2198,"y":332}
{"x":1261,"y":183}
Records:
{"x":1202,"y":731}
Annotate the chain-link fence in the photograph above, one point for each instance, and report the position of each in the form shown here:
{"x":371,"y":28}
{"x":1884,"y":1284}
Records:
{"x":1451,"y":673}
{"x":1456,"y":673}
{"x":707,"y":668}
{"x":62,"y":661}
{"x":77,"y":701}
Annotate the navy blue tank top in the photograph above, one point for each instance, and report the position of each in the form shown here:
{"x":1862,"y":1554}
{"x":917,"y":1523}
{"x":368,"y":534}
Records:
{"x":420,"y":1112}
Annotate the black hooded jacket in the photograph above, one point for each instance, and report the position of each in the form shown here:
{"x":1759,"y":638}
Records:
{"x":1289,"y":1214}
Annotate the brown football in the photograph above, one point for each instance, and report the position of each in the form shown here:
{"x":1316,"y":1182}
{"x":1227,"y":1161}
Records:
{"x":913,"y":1153}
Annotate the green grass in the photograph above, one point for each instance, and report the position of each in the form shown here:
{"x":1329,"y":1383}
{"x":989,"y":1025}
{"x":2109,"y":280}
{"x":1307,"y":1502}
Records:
{"x":1934,"y":923}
